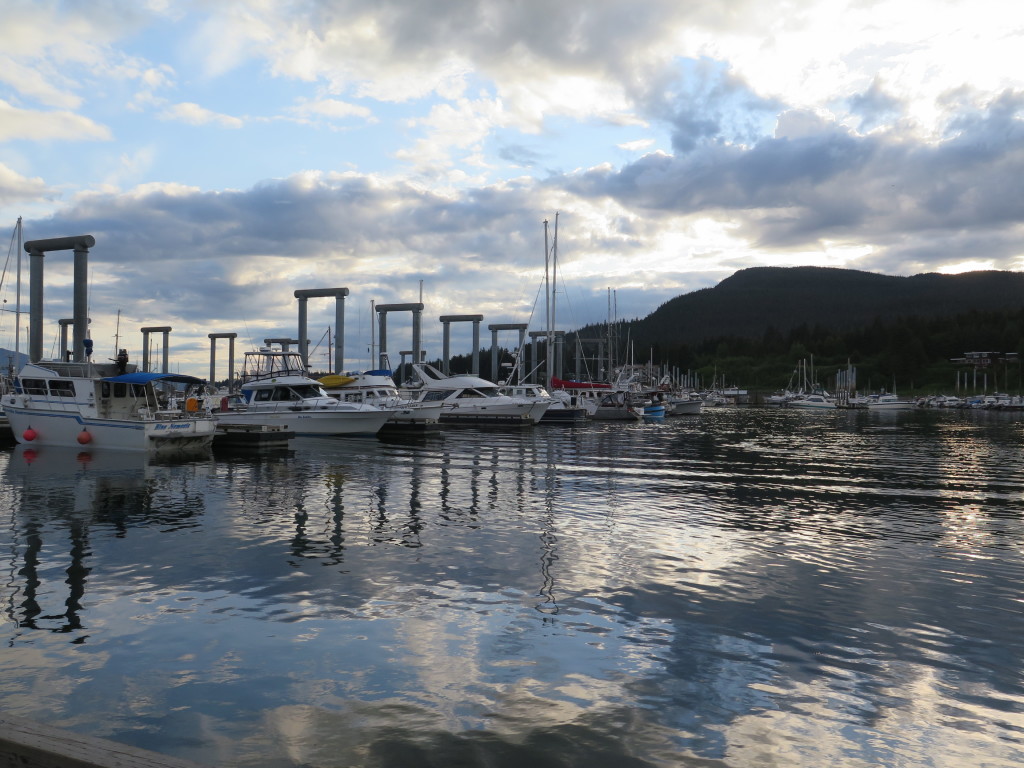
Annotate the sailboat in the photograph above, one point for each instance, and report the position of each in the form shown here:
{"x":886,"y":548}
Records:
{"x":563,"y":407}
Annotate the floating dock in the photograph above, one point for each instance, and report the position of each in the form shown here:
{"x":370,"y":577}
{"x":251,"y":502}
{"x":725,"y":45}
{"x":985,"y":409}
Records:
{"x":251,"y":437}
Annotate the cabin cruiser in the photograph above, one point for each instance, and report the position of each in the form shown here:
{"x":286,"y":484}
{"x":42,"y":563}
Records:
{"x":276,"y":391}
{"x":102,"y":405}
{"x":378,"y":388}
{"x":812,"y":401}
{"x":471,"y":400}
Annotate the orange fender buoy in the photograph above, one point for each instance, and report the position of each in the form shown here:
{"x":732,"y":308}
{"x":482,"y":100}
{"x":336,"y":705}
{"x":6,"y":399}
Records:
{"x":29,"y":435}
{"x":84,"y":438}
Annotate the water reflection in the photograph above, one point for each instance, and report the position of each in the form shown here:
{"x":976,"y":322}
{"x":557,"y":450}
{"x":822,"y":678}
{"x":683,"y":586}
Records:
{"x":57,"y":498}
{"x":745,"y":588}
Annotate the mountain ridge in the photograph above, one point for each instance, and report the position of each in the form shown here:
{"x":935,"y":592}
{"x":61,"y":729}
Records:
{"x":754,"y":300}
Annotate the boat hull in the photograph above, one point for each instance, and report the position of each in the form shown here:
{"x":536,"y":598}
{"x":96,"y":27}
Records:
{"x":65,"y":429}
{"x":311,"y":423}
{"x":684,"y":407}
{"x":473,"y":412}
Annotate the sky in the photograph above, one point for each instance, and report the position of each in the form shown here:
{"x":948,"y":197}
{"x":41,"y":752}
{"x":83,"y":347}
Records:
{"x":225,"y":154}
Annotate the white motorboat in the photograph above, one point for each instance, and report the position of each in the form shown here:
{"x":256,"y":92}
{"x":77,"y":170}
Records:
{"x":562,"y":409}
{"x":679,"y":405}
{"x":276,"y":391}
{"x":378,"y":388}
{"x":812,"y":401}
{"x":471,"y":400}
{"x":86,"y":404}
{"x":889,"y":402}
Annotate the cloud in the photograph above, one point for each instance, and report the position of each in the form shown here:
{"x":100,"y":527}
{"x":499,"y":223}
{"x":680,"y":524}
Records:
{"x":59,"y":125}
{"x":193,"y":114}
{"x":15,"y":188}
{"x":818,"y":181}
{"x":332,"y":109}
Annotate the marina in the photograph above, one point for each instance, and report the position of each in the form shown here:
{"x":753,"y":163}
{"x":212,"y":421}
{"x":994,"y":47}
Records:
{"x":747,"y":586}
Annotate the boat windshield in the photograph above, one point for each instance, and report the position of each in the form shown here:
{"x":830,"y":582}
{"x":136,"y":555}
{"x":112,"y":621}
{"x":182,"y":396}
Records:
{"x":307,"y":390}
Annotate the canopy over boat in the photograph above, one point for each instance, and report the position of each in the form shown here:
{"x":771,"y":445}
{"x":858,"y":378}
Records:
{"x":144,"y":377}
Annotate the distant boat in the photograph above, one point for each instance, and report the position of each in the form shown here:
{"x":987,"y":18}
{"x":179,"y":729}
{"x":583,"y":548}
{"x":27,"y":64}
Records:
{"x":812,"y":401}
{"x":85,"y":404}
{"x":890,"y":402}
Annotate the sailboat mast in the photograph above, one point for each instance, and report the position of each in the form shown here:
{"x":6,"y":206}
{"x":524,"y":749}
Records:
{"x":547,"y":308}
{"x":373,"y":333}
{"x":17,"y":303}
{"x":554,"y":289}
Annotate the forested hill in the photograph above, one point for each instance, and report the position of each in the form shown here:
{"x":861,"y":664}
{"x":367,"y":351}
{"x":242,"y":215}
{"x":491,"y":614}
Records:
{"x":752,"y":301}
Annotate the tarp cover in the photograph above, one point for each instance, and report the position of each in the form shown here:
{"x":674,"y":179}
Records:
{"x":140,"y":377}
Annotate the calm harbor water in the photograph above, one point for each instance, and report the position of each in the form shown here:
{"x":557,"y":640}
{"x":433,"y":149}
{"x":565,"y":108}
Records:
{"x":747,"y":587}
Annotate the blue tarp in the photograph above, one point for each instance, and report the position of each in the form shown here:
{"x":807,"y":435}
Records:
{"x":140,"y":377}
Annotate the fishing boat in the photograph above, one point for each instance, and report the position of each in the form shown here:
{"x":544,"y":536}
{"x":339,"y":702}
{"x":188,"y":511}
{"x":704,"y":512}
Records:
{"x":377,"y":388}
{"x":603,"y":402}
{"x":471,"y":400}
{"x":76,"y":404}
{"x":277,"y":391}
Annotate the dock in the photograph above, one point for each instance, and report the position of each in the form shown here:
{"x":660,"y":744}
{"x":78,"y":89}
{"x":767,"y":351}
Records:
{"x":29,"y":744}
{"x":251,"y":437}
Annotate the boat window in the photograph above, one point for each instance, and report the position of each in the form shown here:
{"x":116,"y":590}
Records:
{"x":62,"y":388}
{"x":437,"y":394}
{"x":120,"y":389}
{"x":34,"y":386}
{"x":307,"y":390}
{"x":262,"y":395}
{"x":281,"y":393}
{"x":138,"y":390}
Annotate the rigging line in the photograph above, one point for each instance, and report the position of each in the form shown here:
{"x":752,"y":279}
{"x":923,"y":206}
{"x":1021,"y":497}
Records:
{"x":10,"y":248}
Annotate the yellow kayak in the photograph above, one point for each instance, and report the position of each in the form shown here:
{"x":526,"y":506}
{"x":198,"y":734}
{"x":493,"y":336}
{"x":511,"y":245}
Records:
{"x":335,"y":380}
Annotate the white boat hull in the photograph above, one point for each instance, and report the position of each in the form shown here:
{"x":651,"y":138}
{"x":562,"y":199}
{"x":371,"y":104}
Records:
{"x":895,"y":406}
{"x":72,"y":430}
{"x":497,"y":414}
{"x":684,"y":407}
{"x":311,"y":423}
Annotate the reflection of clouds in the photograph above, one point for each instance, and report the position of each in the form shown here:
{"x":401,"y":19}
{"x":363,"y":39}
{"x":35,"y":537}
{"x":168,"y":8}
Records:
{"x":497,"y":597}
{"x":923,"y":730}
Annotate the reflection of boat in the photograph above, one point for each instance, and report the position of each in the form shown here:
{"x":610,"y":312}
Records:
{"x":277,"y":392}
{"x":378,"y":389}
{"x":59,"y":403}
{"x":468,"y":399}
